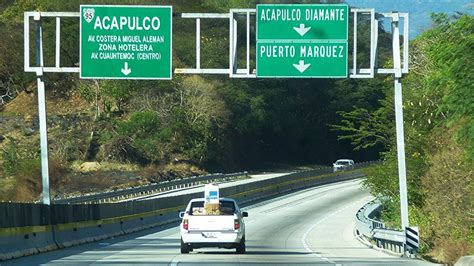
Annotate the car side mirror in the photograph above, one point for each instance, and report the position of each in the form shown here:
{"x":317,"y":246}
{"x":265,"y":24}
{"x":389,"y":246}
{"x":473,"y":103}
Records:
{"x":245,"y":214}
{"x":181,"y":214}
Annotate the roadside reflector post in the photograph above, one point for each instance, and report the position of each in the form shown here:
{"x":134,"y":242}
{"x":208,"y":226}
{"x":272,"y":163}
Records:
{"x":412,"y":241}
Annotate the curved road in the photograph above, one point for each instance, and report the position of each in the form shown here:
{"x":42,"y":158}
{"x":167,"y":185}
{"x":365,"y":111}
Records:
{"x":310,"y":227}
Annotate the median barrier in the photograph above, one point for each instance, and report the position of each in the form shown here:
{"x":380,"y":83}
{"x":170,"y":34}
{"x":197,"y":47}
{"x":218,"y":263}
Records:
{"x":111,"y":229}
{"x":24,"y":229}
{"x":264,"y":189}
{"x":148,"y":189}
{"x":81,"y":223}
{"x":145,"y":222}
{"x":155,"y":212}
{"x":132,"y":225}
{"x":23,"y":241}
{"x":71,"y":234}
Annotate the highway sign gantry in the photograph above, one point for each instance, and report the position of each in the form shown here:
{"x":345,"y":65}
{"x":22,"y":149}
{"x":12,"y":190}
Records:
{"x":125,"y":42}
{"x":302,"y":41}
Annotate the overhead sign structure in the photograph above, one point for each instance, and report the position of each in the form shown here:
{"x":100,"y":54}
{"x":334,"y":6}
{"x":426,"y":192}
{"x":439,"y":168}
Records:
{"x":302,"y":41}
{"x":125,"y":42}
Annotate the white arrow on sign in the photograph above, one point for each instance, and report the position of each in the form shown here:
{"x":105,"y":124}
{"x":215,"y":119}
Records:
{"x":301,"y":66}
{"x":125,"y":69}
{"x":302,"y":30}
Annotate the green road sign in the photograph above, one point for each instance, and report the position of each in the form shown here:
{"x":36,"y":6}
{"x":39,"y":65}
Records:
{"x":125,"y":42}
{"x":305,"y":59}
{"x":301,"y":41}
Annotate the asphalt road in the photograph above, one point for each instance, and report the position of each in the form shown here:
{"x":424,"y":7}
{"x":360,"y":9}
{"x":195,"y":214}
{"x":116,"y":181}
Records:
{"x":200,"y":188}
{"x":310,"y":227}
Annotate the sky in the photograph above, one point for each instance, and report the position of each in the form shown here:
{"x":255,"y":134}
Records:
{"x":419,"y":10}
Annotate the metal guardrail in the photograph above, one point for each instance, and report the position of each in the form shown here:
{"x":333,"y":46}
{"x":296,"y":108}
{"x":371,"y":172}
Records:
{"x":126,"y":193}
{"x":360,"y":165}
{"x":366,"y":225}
{"x":122,"y":194}
{"x":48,"y":227}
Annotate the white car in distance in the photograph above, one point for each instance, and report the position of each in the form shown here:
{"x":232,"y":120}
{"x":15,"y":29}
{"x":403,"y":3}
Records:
{"x":223,"y":230}
{"x":343,"y":164}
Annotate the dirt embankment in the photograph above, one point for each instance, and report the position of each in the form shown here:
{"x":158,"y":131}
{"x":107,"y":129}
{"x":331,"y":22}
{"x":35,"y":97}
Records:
{"x":72,"y":172}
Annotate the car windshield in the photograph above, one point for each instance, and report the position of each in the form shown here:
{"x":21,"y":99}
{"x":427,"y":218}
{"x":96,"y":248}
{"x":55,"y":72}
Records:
{"x":342,"y":162}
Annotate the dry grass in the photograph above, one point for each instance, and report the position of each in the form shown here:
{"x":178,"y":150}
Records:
{"x":448,"y":200}
{"x":449,"y":250}
{"x":24,"y":103}
{"x":25,"y":186}
{"x":158,"y":173}
{"x":107,"y":166}
{"x":58,"y":174}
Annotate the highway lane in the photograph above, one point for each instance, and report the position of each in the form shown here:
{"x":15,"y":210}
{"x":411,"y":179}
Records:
{"x":311,"y":227}
{"x":200,"y":188}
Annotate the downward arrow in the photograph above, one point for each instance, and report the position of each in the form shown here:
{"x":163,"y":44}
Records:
{"x":301,"y":66}
{"x":125,"y":69}
{"x":302,"y":30}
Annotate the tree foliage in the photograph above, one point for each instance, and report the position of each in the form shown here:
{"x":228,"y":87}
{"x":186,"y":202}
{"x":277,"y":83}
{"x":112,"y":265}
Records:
{"x":439,"y":136}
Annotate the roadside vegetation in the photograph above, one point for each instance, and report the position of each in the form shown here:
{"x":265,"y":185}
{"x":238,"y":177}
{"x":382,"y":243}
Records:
{"x":161,"y":130}
{"x":439,"y":135}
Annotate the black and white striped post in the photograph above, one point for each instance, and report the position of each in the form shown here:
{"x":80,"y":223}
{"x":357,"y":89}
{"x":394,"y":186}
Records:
{"x":412,"y":242}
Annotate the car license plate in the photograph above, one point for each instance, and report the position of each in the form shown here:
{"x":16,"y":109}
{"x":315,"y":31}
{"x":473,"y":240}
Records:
{"x":209,"y":234}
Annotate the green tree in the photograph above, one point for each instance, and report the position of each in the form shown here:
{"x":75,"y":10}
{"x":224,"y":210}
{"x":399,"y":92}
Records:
{"x":438,"y":110}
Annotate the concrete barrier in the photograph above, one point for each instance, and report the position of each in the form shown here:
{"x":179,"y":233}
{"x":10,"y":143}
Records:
{"x":71,"y":234}
{"x":133,"y":225}
{"x":111,"y":229}
{"x":145,"y":222}
{"x":22,"y":241}
{"x":77,"y":224}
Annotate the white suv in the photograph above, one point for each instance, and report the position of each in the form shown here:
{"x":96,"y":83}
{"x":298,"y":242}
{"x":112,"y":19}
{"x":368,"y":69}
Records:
{"x":223,"y":230}
{"x":343,"y":164}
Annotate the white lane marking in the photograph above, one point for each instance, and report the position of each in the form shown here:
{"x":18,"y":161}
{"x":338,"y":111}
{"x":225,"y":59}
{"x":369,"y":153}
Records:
{"x":174,"y":261}
{"x":305,"y":235}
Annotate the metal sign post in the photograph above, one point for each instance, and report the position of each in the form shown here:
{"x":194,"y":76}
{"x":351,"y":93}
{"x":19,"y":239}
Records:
{"x":402,"y":174}
{"x":42,"y":112}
